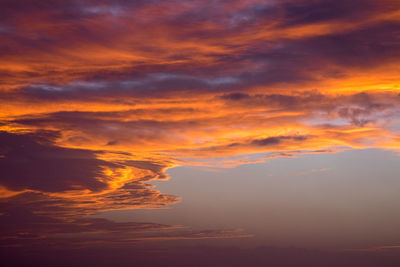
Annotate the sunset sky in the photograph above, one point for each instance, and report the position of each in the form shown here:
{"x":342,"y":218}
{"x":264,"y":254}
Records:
{"x":216,"y":132}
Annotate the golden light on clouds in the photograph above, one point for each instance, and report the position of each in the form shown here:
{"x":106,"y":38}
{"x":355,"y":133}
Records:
{"x":98,"y":98}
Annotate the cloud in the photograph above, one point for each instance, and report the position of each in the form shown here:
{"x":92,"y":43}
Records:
{"x":49,"y":168}
{"x":51,"y":190}
{"x":275,"y":140}
{"x":254,"y":42}
{"x":100,"y":97}
{"x":23,"y":228}
{"x":67,"y":182}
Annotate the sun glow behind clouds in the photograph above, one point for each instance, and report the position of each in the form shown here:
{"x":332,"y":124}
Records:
{"x":114,"y":94}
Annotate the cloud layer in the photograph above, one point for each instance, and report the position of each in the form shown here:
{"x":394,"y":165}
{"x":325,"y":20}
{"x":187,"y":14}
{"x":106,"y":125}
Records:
{"x":100,"y":97}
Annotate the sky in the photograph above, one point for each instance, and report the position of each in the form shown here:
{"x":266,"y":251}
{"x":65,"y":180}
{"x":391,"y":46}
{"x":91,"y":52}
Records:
{"x":200,"y":133}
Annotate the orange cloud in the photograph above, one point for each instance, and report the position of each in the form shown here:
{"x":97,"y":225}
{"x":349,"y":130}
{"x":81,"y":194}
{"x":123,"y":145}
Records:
{"x":98,"y":99}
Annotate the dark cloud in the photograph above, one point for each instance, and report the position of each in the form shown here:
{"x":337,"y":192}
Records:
{"x":278,"y":100}
{"x":235,"y":96}
{"x":363,"y":48}
{"x":305,"y":11}
{"x":32,"y":161}
{"x":20,"y":227}
{"x":276,"y":140}
{"x":20,"y":224}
